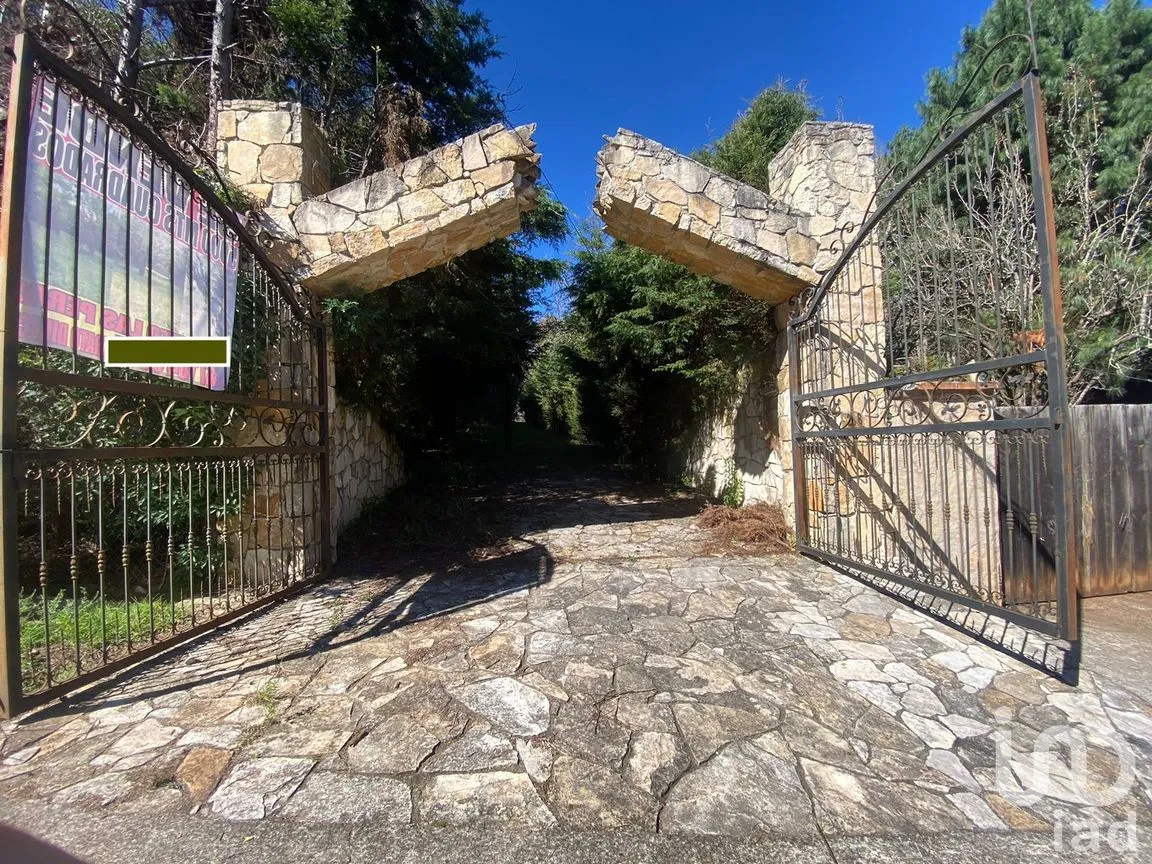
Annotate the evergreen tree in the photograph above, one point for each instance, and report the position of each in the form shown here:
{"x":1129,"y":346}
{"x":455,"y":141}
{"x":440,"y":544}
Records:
{"x":745,"y":151}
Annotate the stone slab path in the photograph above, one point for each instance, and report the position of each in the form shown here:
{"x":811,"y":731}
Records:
{"x":594,"y":674}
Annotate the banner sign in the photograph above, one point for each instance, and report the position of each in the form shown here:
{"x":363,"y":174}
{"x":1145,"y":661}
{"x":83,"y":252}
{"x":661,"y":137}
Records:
{"x":116,"y":243}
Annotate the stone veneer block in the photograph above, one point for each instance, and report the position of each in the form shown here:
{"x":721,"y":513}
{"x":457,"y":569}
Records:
{"x":275,"y":153}
{"x":664,"y":202}
{"x":401,"y":221}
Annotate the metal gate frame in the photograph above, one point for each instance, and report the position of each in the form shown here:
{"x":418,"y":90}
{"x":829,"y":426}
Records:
{"x":286,"y":429}
{"x":1051,"y":423}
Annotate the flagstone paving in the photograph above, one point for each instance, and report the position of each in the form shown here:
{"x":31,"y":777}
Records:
{"x":595,"y":674}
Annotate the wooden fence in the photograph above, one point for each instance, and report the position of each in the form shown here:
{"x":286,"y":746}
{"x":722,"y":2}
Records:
{"x":1113,"y":459}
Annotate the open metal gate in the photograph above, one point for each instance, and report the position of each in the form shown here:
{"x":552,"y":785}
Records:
{"x":929,"y":402}
{"x":139,"y":507}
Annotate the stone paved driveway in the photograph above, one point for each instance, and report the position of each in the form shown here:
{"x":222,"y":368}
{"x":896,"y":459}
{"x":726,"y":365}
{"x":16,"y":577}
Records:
{"x":594,"y":674}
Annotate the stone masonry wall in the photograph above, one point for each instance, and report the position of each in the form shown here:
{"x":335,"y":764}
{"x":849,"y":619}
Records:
{"x":826,"y":170}
{"x":740,"y":438}
{"x":282,"y":519}
{"x":400,"y":221}
{"x":365,"y":463}
{"x":364,"y":460}
{"x":655,"y":198}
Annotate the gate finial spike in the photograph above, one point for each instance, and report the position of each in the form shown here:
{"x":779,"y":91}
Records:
{"x":1032,"y":37}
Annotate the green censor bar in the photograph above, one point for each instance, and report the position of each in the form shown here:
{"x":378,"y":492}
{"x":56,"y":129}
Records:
{"x":166,"y":351}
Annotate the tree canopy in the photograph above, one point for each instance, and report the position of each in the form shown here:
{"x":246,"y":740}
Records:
{"x":1109,"y":46}
{"x":745,"y":151}
{"x":386,"y":79}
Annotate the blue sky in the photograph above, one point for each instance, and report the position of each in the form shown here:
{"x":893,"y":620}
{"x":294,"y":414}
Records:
{"x":680,"y":72}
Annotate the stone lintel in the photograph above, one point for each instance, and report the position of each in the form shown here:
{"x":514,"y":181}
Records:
{"x":657,"y":199}
{"x":401,"y":221}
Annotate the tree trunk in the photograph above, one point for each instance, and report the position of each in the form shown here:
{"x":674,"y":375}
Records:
{"x":127,"y":67}
{"x":220,"y":74}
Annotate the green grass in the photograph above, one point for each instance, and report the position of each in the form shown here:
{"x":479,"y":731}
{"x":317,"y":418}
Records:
{"x":49,"y":631}
{"x":267,"y":695}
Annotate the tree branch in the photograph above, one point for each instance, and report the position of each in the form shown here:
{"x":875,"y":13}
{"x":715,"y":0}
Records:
{"x":171,"y":61}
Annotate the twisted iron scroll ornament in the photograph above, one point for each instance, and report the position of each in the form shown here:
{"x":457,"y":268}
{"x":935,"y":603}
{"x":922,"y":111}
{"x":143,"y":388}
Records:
{"x":93,"y":418}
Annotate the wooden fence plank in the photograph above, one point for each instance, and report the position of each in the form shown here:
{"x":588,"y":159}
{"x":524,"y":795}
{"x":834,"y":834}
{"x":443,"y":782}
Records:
{"x":1083,"y":454}
{"x":1139,"y":425}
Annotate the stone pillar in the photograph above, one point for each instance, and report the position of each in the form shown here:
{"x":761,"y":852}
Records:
{"x":828,"y":170}
{"x":280,"y":519}
{"x":275,"y":153}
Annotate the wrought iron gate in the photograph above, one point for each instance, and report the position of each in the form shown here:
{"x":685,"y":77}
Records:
{"x":138,"y":508}
{"x":928,"y":384}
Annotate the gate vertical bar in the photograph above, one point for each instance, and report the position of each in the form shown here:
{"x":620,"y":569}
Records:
{"x":324,"y":371}
{"x":11,"y":242}
{"x":1060,"y":441}
{"x":799,"y":482}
